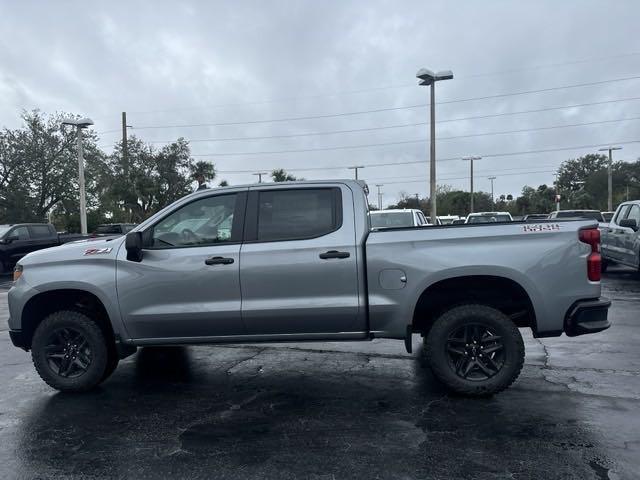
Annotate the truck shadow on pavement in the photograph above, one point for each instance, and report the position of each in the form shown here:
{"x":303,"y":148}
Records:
{"x":257,"y":412}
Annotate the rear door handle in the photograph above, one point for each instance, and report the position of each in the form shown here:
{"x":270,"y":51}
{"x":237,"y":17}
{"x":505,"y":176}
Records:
{"x":334,"y":254}
{"x":218,"y":261}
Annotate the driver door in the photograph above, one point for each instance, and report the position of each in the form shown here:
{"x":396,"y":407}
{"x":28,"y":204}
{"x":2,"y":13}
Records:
{"x":187,"y":286}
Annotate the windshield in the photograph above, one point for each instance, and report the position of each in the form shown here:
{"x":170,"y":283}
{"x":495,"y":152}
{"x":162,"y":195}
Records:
{"x":4,"y":229}
{"x":489,"y":218}
{"x":391,"y":219}
{"x":592,"y":215}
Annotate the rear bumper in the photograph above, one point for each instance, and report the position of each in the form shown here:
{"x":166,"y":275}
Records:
{"x":587,"y":316}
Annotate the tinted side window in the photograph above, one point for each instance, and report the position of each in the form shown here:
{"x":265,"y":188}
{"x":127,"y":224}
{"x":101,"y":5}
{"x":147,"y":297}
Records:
{"x":622,"y":211}
{"x":21,"y":232}
{"x":298,"y":214}
{"x":40,"y":231}
{"x":207,"y":221}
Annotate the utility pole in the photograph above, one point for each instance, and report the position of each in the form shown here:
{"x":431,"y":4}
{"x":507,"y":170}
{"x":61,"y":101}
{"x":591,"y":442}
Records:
{"x":609,"y":174}
{"x":417,"y":201}
{"x":125,"y":152}
{"x":627,"y":194}
{"x":259,"y":174}
{"x":356,"y":169}
{"x":379,"y":185}
{"x":471,"y":159}
{"x":493,"y":204}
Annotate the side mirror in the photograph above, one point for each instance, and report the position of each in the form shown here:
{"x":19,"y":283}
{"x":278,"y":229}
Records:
{"x":629,"y":223}
{"x":133,"y":244}
{"x":10,"y":238}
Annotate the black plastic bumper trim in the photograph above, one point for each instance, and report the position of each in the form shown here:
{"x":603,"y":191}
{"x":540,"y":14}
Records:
{"x":17,"y":338}
{"x":587,"y":316}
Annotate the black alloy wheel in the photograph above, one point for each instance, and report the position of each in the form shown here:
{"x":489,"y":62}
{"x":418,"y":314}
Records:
{"x":68,"y":353}
{"x":475,"y":352}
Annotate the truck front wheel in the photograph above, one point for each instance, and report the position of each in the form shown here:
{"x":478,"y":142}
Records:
{"x":475,"y":350}
{"x":70,"y":352}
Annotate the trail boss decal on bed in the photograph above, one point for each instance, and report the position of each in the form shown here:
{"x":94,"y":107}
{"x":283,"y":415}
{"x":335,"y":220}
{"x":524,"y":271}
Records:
{"x":97,"y":251}
{"x":543,"y":227}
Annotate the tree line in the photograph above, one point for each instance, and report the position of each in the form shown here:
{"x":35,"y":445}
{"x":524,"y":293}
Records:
{"x":39,"y":180}
{"x":39,"y":175}
{"x":581,"y":184}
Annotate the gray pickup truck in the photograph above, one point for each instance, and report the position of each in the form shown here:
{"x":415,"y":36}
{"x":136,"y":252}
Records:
{"x":300,"y":262}
{"x":620,"y":238}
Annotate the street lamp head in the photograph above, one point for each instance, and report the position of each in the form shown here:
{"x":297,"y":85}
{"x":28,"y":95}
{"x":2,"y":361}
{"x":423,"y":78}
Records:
{"x":472,"y":157}
{"x":427,"y":77}
{"x":606,"y":149}
{"x":79,"y":122}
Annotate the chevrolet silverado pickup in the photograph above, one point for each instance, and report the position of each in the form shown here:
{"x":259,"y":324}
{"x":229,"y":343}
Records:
{"x":300,"y":262}
{"x":620,"y":238}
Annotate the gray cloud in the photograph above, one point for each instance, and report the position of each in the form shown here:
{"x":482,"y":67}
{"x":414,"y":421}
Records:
{"x":212,"y":62}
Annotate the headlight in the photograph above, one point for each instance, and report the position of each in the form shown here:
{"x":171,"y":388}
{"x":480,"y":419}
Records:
{"x":17,"y":272}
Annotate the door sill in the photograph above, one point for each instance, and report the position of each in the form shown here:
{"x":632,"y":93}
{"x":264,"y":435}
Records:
{"x":272,"y":338}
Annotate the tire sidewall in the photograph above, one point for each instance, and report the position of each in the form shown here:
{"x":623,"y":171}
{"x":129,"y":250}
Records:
{"x":456,"y":318}
{"x":91,"y":332}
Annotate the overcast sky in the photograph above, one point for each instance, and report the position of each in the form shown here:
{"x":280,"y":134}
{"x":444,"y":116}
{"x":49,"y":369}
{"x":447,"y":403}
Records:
{"x":184,"y":63}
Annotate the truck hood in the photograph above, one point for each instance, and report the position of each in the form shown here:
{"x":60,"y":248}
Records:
{"x":103,"y":247}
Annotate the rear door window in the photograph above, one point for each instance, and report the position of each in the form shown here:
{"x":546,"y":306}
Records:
{"x":298,"y":214}
{"x":40,"y":231}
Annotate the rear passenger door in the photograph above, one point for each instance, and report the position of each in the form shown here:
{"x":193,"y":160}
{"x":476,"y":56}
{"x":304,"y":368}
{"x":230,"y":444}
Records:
{"x":299,"y":272}
{"x":42,"y":236}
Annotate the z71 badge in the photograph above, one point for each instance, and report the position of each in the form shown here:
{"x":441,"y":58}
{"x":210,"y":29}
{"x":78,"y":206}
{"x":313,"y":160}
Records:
{"x":97,"y":251}
{"x":541,"y":227}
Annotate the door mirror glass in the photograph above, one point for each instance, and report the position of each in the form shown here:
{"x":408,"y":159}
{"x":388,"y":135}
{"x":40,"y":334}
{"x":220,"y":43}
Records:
{"x":133,"y":244}
{"x":11,"y":238}
{"x":629,"y":223}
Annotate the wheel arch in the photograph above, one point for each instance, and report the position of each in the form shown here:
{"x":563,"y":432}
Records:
{"x":39,"y":306}
{"x":500,"y":292}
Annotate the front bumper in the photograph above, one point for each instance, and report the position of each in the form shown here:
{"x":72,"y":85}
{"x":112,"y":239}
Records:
{"x":17,"y":338}
{"x":587,"y":316}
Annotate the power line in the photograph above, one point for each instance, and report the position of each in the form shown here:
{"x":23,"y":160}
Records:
{"x":467,"y":176}
{"x":405,"y":142}
{"x":389,"y":87}
{"x":387,"y":127}
{"x":378,"y":110}
{"x":484,"y":155}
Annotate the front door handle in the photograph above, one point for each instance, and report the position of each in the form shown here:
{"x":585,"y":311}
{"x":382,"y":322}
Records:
{"x":218,"y":261}
{"x":334,"y":254}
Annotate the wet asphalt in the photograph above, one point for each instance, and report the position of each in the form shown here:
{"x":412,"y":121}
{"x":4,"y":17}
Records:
{"x":333,"y":411}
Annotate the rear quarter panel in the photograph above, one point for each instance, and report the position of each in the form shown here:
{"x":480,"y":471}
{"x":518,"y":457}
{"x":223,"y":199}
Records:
{"x":550,"y":266}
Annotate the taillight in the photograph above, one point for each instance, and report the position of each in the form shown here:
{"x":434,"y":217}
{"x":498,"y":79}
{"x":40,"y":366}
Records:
{"x":591,"y":236}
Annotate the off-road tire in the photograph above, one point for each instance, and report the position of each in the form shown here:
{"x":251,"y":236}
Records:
{"x":96,"y":342}
{"x":437,"y":356}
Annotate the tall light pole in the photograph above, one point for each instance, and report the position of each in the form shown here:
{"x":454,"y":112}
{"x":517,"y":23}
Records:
{"x":417,"y":201}
{"x":493,"y":204}
{"x":428,"y":78}
{"x":80,"y":124}
{"x":379,"y":185}
{"x":259,"y":174}
{"x":471,"y":159}
{"x":356,"y":169}
{"x":609,"y":174}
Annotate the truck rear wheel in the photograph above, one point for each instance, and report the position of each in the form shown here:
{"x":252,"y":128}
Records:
{"x":70,"y":352}
{"x":475,"y":350}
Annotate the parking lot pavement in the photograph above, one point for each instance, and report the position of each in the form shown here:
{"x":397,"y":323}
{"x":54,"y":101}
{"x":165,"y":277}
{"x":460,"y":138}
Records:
{"x":333,"y":410}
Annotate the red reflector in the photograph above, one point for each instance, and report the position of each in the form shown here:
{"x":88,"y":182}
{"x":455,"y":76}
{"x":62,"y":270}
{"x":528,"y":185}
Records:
{"x":594,"y":267}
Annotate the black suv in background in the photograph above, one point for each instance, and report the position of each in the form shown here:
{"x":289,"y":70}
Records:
{"x":19,"y":239}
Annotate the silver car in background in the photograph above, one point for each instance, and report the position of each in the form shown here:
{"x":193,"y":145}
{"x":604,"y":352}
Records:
{"x":620,"y":239}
